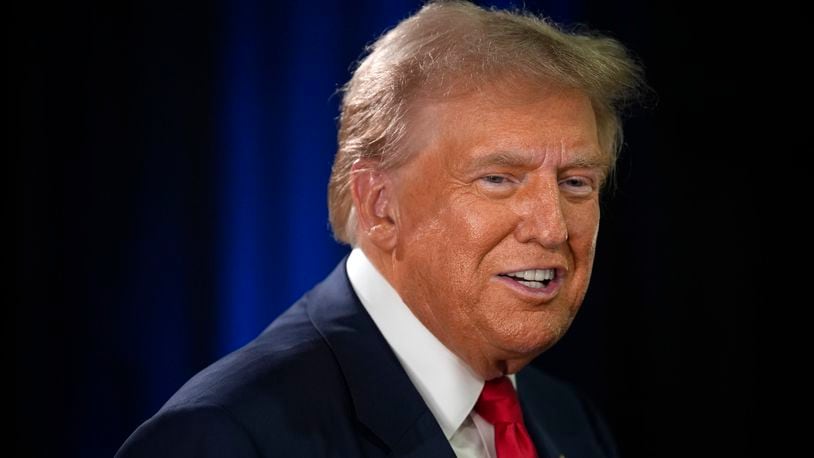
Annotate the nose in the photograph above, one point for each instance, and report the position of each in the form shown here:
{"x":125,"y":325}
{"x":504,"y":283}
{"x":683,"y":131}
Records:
{"x":542,"y":219}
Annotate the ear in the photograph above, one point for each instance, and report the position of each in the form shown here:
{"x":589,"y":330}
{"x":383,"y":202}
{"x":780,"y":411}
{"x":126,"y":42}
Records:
{"x":372,"y":191}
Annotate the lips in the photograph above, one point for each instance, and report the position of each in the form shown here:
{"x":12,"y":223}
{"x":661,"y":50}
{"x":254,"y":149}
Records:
{"x":538,"y":283}
{"x":533,"y":278}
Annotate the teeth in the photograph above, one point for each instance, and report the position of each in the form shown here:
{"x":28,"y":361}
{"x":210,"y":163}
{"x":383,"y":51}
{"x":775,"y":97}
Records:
{"x":534,"y":275}
{"x":531,"y":284}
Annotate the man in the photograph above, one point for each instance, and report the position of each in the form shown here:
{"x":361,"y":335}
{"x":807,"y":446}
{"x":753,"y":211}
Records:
{"x":473,"y":145}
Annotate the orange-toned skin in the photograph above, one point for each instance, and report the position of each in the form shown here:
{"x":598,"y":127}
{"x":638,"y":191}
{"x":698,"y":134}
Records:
{"x":500,"y":180}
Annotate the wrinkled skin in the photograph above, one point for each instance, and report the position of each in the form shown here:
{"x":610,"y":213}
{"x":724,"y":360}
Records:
{"x":501,"y":180}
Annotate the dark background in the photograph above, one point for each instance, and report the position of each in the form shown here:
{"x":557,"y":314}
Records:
{"x":169,"y":170}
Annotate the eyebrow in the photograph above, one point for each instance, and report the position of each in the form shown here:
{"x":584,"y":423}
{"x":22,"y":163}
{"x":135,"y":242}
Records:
{"x":587,"y":163}
{"x":502,"y":158}
{"x":515,"y":159}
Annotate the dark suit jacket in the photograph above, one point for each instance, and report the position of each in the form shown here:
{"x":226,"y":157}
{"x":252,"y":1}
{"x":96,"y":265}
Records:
{"x":322,"y":381}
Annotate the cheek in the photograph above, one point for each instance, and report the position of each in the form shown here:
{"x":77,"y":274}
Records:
{"x":478,"y":224}
{"x":583,"y":230}
{"x":582,"y":222}
{"x":459,"y":239}
{"x":463,"y":227}
{"x":447,"y":250}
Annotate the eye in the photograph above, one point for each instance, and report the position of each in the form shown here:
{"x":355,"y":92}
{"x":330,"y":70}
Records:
{"x":577,"y":185}
{"x":495,"y":179}
{"x":498,"y":185}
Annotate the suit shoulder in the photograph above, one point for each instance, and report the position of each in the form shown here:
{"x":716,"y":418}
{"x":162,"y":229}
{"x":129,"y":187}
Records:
{"x":273,"y":396}
{"x":199,"y":431}
{"x":287,"y":368}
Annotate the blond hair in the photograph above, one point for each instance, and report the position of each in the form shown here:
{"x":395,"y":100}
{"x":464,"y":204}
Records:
{"x":451,"y":45}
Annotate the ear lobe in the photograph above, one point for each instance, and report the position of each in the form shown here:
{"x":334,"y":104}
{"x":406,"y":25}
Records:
{"x":372,"y":197}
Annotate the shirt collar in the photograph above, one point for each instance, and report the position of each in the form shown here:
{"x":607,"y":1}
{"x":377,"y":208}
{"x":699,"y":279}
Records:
{"x":445,"y":382}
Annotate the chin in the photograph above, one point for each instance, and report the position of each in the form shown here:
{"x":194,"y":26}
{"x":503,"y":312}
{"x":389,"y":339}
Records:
{"x":526,"y":340}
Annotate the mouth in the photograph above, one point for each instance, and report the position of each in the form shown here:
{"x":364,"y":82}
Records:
{"x":537,"y":283}
{"x":533,"y":278}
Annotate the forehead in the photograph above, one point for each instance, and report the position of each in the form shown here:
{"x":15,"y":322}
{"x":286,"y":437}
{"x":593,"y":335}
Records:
{"x":505,"y":124}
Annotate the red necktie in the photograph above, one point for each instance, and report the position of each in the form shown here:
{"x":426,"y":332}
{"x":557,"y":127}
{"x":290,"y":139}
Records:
{"x":498,"y":405}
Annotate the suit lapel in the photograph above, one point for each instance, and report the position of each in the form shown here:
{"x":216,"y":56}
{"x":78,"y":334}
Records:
{"x":383,"y":396}
{"x":546,"y":447}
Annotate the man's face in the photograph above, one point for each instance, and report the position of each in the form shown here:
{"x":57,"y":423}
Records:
{"x":497,"y":217}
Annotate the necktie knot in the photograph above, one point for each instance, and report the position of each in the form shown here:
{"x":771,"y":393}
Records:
{"x":498,"y":402}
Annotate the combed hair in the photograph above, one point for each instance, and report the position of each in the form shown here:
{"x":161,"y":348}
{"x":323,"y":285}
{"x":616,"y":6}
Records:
{"x":450,"y":45}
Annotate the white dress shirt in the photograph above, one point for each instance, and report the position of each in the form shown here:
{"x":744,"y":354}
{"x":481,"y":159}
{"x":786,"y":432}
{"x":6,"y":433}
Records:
{"x":446,"y":383}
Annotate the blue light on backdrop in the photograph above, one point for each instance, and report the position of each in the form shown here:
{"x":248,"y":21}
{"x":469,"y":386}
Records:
{"x":283,"y":64}
{"x":272,"y":102}
{"x":282,"y":67}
